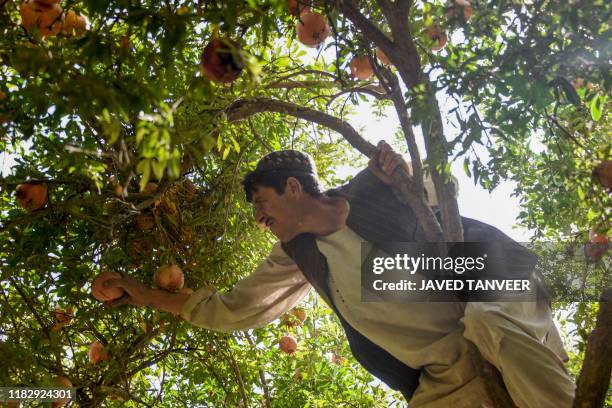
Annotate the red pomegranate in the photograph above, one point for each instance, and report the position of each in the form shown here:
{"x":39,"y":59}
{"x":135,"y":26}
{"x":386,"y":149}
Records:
{"x":460,"y":7}
{"x":31,"y":196}
{"x":382,"y":57}
{"x":64,"y":315}
{"x":294,"y":317}
{"x":361,"y":68}
{"x":140,"y":247}
{"x":170,"y":278}
{"x":288,"y":344}
{"x":604,"y":173}
{"x":145,"y":221}
{"x":452,"y":12}
{"x":295,"y":6}
{"x":222,"y":61}
{"x":312,"y":28}
{"x":61,"y":381}
{"x":97,"y":353}
{"x":595,"y":252}
{"x":102,"y":293}
{"x":438,"y":36}
{"x":596,"y":238}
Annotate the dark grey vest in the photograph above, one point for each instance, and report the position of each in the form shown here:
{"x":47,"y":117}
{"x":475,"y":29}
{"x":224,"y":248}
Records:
{"x":377,"y":216}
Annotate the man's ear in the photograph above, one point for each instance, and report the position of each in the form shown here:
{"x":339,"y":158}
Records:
{"x":293,"y":186}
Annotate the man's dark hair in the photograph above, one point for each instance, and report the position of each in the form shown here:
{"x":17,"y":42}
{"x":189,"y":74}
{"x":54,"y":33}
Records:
{"x":277,"y":179}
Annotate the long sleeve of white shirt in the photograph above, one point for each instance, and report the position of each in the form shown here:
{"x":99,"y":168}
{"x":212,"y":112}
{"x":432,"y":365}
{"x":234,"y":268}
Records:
{"x":273,"y":288}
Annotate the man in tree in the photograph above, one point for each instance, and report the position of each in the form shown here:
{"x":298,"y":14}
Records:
{"x":418,"y":348}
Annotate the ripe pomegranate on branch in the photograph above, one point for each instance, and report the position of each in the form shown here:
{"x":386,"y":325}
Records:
{"x":222,"y":60}
{"x":170,"y":278}
{"x":288,"y":344}
{"x":361,"y":68}
{"x":312,"y":28}
{"x":32,"y":196}
{"x":97,"y":353}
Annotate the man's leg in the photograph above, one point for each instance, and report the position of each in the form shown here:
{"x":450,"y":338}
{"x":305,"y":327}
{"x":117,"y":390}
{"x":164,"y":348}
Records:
{"x":510,"y":336}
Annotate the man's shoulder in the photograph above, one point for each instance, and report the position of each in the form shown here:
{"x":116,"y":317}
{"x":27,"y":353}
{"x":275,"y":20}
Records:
{"x":363,"y":180}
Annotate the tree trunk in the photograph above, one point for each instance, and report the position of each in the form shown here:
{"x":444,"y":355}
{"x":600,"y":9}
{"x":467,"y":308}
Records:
{"x":594,"y":380}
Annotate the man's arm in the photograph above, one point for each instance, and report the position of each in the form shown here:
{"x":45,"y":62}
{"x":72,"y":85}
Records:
{"x":273,"y":288}
{"x":138,"y":294}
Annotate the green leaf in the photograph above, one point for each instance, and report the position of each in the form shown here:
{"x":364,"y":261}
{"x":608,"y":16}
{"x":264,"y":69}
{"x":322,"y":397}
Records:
{"x":158,"y":168}
{"x":144,"y":168}
{"x":597,"y":104}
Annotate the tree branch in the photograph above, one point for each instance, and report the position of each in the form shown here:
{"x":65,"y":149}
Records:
{"x":302,"y":72}
{"x":366,"y":26}
{"x":244,"y":108}
{"x":435,"y":144}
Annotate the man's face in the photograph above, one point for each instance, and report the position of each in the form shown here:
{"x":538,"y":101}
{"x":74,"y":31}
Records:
{"x":276,"y":212}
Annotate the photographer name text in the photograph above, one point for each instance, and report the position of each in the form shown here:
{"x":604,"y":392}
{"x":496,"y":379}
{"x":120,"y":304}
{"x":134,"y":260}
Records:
{"x":454,"y":285}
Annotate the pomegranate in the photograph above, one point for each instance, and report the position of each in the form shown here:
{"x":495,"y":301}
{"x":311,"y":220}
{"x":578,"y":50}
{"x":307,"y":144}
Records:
{"x":150,"y":188}
{"x":295,"y":6}
{"x":32,"y":196}
{"x":361,"y":68}
{"x":382,"y":57}
{"x":461,"y":7}
{"x":64,"y":315}
{"x":145,"y":221}
{"x":140,"y":247}
{"x":222,"y":61}
{"x":61,"y":381}
{"x":337,"y":359}
{"x":49,"y":16}
{"x":604,"y":174}
{"x":190,"y":189}
{"x":295,"y":317}
{"x":102,"y":293}
{"x":45,"y":17}
{"x":74,"y":24}
{"x":57,"y":326}
{"x":596,"y":238}
{"x":312,"y":28}
{"x":97,"y":353}
{"x":52,"y":30}
{"x":29,"y":16}
{"x":170,"y":278}
{"x":124,"y":42}
{"x":595,"y":252}
{"x":288,"y":344}
{"x":118,"y":189}
{"x":438,"y":36}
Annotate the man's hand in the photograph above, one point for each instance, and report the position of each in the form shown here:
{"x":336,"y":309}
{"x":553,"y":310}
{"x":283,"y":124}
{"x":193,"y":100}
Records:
{"x":384,"y":162}
{"x":136,"y":293}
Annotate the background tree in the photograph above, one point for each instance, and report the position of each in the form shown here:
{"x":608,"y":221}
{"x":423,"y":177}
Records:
{"x":95,"y":109}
